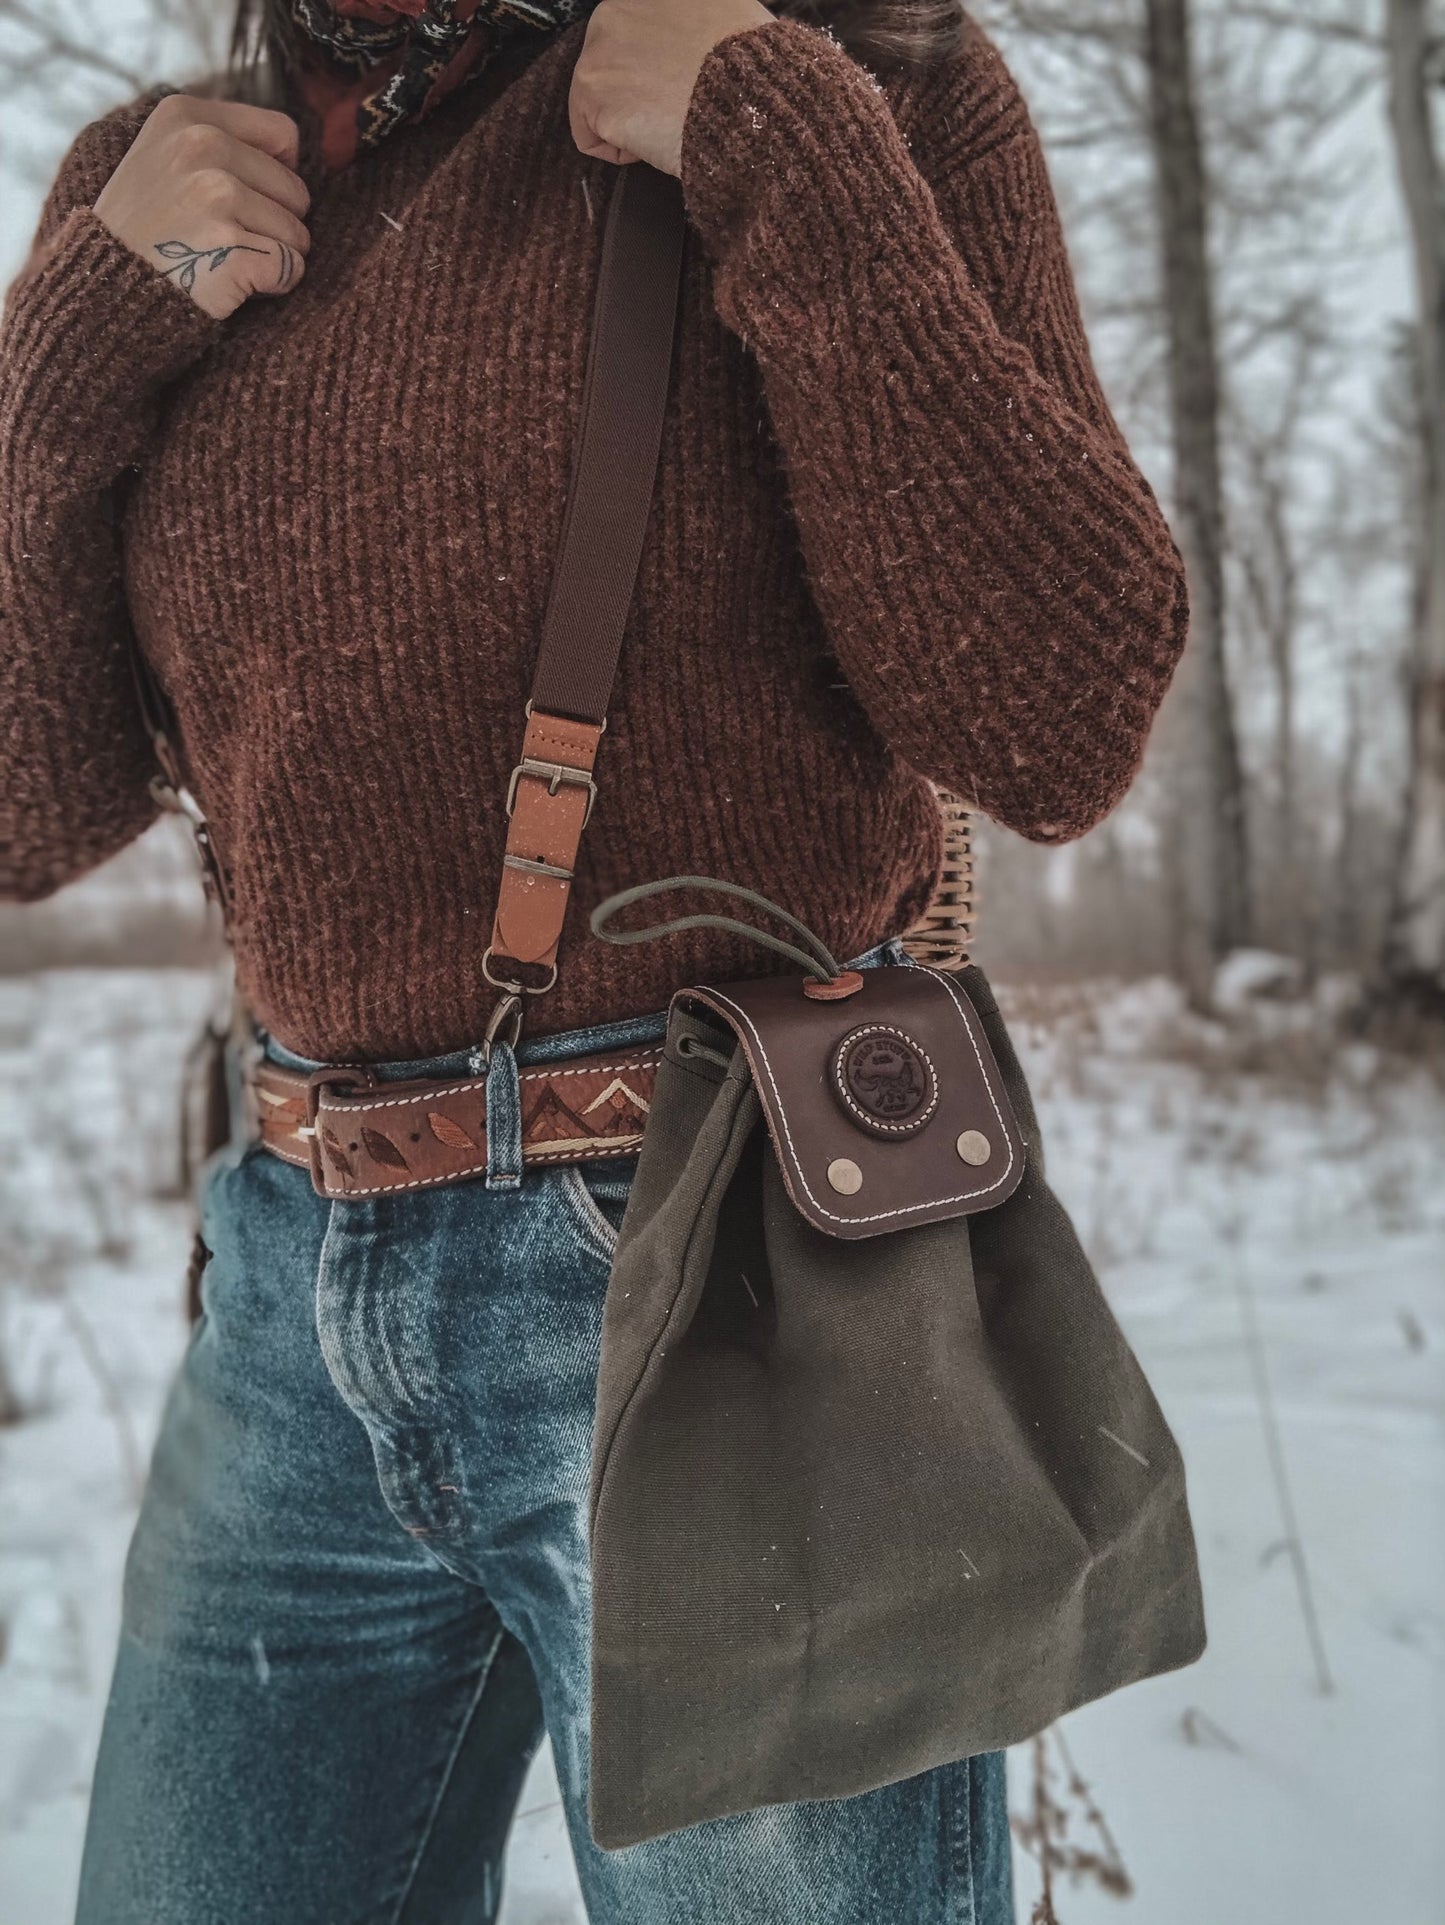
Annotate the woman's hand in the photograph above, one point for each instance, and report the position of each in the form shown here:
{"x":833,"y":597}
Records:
{"x":209,"y":195}
{"x":638,"y":67}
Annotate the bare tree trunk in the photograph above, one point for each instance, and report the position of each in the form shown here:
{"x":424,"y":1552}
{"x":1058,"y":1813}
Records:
{"x":1271,"y":601}
{"x":1348,"y":891}
{"x":1209,"y":828}
{"x":1414,"y":958}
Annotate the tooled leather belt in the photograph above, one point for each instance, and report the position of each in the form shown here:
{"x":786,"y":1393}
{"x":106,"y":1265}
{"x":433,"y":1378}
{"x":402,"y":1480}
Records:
{"x":359,"y":1137}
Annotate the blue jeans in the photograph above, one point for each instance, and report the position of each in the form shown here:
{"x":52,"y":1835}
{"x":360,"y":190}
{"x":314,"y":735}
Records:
{"x":358,"y":1590}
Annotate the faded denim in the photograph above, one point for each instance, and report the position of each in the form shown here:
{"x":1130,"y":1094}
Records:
{"x":358,"y":1591}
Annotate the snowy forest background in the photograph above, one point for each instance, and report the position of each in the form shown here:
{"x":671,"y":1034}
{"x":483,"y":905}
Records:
{"x":1229,"y":996}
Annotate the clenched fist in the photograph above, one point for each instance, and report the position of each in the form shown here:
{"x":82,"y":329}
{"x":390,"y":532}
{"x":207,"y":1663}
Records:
{"x":637,"y":69}
{"x":209,"y":195}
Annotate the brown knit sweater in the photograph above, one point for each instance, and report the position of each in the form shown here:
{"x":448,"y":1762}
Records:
{"x":896,"y":534}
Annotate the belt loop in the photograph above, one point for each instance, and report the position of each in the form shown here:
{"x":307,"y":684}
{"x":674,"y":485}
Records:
{"x":504,"y":1119}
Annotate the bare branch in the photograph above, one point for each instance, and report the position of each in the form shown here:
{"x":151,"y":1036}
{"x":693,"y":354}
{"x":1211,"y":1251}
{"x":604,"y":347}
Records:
{"x":1348,"y":31}
{"x":57,"y":45}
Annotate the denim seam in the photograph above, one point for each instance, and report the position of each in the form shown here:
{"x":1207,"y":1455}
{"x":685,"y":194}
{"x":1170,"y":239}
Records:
{"x":420,"y":1456}
{"x":429,"y":1823}
{"x":960,"y":1901}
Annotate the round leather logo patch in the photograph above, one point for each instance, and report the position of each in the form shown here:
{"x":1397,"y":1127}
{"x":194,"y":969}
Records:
{"x":884,"y":1080}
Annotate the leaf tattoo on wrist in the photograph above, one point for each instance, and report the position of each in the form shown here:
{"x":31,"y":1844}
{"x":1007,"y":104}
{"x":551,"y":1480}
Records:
{"x":188,"y":258}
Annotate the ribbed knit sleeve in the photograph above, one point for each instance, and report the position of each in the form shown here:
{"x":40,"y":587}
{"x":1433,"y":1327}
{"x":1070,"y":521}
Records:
{"x":995,"y":574}
{"x":89,"y":336}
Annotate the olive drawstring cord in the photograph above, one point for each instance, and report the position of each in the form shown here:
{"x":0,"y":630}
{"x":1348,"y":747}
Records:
{"x":819,"y":964}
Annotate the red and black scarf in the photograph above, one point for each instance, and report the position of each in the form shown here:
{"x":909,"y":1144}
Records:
{"x":369,"y":66}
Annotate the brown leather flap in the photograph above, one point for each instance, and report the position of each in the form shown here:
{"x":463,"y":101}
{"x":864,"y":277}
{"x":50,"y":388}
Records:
{"x":886,"y":1108}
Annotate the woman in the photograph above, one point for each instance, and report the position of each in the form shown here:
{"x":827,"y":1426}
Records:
{"x":896,"y":535}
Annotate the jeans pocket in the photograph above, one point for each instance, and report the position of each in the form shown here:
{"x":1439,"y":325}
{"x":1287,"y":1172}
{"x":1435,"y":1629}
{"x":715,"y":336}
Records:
{"x":597,"y":1195}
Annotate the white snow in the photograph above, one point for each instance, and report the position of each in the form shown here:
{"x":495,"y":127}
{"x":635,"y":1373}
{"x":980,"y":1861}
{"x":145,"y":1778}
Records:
{"x":1214,"y":1172}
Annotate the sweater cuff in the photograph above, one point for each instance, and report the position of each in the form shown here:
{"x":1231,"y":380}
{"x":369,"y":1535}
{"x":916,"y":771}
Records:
{"x":93,"y":332}
{"x":784,"y":125}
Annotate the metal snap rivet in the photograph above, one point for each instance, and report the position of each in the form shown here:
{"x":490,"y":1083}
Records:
{"x":974,"y":1147}
{"x":845,"y":1176}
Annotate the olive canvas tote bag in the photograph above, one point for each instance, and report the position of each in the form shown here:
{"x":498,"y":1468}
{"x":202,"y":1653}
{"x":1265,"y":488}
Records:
{"x":877,"y":1481}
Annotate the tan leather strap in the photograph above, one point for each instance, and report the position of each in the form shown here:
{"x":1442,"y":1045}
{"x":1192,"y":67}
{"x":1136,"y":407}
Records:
{"x":168,"y":785}
{"x":359,"y":1137}
{"x":548,"y":805}
{"x":614,"y":470}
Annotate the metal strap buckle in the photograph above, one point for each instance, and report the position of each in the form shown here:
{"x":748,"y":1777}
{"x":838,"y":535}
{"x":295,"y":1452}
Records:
{"x":175,"y":798}
{"x":554,"y":774}
{"x":505,"y":1021}
{"x":510,"y":984}
{"x":531,"y":866}
{"x":346,"y":1079}
{"x":504,"y":1025}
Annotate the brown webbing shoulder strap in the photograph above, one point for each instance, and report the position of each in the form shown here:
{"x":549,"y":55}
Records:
{"x":615,"y":465}
{"x":614,"y":471}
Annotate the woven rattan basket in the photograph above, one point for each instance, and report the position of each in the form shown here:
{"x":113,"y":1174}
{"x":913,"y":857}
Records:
{"x":942,"y":934}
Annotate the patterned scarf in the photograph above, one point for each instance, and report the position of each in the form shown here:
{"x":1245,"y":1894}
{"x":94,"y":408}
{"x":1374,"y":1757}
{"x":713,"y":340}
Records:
{"x":369,"y":66}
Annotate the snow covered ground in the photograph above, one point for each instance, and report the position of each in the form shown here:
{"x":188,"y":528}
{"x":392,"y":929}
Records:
{"x":1249,"y":1214}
